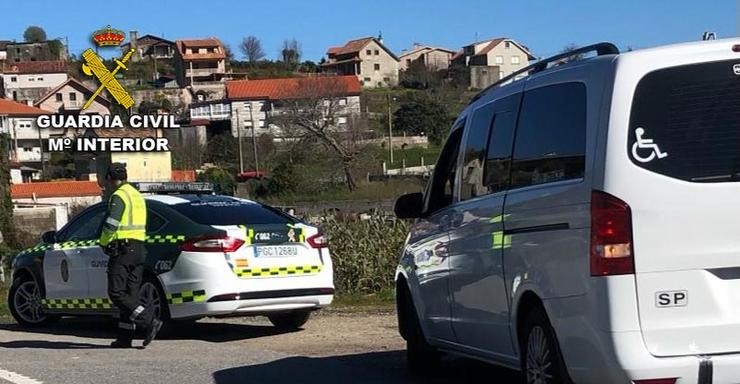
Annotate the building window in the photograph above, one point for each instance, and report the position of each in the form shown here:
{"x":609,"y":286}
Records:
{"x":342,"y":102}
{"x":515,"y":60}
{"x":507,"y":44}
{"x":387,"y":79}
{"x":72,"y":96}
{"x":367,"y":79}
{"x":369,"y":52}
{"x":376,"y":67}
{"x":59,"y":96}
{"x":501,"y":74}
{"x":31,"y":79}
{"x":40,"y":79}
{"x":13,"y":79}
{"x":408,"y":62}
{"x":499,"y":59}
{"x":377,"y":52}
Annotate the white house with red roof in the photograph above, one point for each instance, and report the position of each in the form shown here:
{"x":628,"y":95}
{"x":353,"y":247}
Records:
{"x":367,"y":58}
{"x":18,"y":120}
{"x":28,"y":81}
{"x":250,"y":103}
{"x":200,"y":63}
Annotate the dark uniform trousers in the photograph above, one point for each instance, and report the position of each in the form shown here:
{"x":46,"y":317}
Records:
{"x":125,"y":272}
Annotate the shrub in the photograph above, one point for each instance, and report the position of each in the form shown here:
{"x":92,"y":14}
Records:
{"x":365,"y":253}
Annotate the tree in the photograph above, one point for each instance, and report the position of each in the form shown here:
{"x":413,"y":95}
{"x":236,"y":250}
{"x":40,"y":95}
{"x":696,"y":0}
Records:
{"x":291,"y":53}
{"x":6,"y":204}
{"x":419,"y":114}
{"x":222,"y":149}
{"x":251,"y":46}
{"x":570,"y":48}
{"x":316,"y":113}
{"x":34,"y":34}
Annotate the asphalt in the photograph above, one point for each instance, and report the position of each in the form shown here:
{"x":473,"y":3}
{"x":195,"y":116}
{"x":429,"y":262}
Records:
{"x":221,"y":352}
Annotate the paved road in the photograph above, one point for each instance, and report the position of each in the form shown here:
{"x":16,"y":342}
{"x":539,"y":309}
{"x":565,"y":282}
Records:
{"x":333,"y":348}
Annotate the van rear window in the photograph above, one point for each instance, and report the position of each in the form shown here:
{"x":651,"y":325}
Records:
{"x":685,"y":122}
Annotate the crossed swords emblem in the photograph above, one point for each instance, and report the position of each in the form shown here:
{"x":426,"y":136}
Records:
{"x":94,"y":66}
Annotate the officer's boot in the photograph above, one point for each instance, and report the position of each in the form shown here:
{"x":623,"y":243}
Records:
{"x":124,"y":337}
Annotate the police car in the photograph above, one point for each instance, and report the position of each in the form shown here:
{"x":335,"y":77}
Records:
{"x":207,"y":255}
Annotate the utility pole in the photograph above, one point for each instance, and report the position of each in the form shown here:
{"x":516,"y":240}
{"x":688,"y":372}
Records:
{"x":254,"y":139}
{"x":239,"y":138}
{"x":390,"y":130}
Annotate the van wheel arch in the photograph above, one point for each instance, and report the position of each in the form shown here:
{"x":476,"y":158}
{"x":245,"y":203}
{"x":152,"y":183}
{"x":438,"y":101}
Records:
{"x":528,"y":302}
{"x":403,"y":294}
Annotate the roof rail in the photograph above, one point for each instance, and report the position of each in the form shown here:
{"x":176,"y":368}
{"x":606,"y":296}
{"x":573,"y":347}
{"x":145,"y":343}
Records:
{"x":600,"y":49}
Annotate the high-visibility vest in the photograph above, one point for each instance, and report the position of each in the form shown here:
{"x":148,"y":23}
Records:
{"x":133,"y":222}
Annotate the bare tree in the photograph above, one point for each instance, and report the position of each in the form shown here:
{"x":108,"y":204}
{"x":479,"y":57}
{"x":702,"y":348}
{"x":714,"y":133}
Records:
{"x":316,"y":112}
{"x":251,"y":46}
{"x":291,"y":53}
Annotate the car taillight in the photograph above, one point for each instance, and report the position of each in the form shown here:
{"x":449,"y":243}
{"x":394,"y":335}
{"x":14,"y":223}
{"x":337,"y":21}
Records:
{"x":611,"y":236}
{"x":318,"y":241}
{"x":212,"y":244}
{"x":656,"y":381}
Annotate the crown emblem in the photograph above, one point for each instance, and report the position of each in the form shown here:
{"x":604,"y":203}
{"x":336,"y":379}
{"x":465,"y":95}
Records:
{"x":108,"y":37}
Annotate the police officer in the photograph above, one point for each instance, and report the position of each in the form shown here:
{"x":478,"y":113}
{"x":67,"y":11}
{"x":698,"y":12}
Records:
{"x":122,"y":239}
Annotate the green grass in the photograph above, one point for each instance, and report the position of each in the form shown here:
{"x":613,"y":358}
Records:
{"x":385,"y":300}
{"x":373,"y":191}
{"x":413,"y":156}
{"x":4,"y":311}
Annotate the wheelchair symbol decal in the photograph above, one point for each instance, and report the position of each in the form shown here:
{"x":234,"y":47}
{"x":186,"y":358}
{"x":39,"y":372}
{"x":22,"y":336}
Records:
{"x":643,"y":145}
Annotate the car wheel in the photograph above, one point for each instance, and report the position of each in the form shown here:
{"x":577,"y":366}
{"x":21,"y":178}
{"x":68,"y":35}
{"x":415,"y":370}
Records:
{"x":25,"y":304}
{"x":420,"y":355}
{"x":150,"y":294}
{"x":289,"y":320}
{"x":542,"y":362}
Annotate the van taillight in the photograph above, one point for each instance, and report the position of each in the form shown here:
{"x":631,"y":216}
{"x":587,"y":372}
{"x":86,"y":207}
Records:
{"x":611,"y":236}
{"x":318,"y":241}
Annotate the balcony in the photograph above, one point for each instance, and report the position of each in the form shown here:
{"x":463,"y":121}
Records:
{"x":203,"y":72}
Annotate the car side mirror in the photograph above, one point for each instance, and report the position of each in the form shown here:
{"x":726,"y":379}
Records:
{"x":49,"y":237}
{"x":409,"y":206}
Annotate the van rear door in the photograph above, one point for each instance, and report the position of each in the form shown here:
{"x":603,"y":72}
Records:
{"x":683,"y":186}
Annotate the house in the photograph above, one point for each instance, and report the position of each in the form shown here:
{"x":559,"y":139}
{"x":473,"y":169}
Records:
{"x":69,"y":98}
{"x":140,"y":166}
{"x":433,"y":58}
{"x":253,"y":102}
{"x":28,"y":81}
{"x":56,"y":192}
{"x":367,"y":58}
{"x":200,"y":63}
{"x":20,"y":173}
{"x":148,"y":47}
{"x":491,"y":60}
{"x":19,"y":122}
{"x":3,"y":51}
{"x":51,"y":50}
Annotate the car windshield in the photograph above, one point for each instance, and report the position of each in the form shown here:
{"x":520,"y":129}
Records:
{"x":219,"y":210}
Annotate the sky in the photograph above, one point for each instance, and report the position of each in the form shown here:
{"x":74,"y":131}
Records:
{"x":546,"y":27}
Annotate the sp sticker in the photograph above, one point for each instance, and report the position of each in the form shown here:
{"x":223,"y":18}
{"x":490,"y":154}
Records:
{"x":666,"y":299}
{"x":645,"y":150}
{"x":736,"y":69}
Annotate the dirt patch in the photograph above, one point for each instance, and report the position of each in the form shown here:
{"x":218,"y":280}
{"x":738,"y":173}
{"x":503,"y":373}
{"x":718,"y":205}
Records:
{"x":334,"y":332}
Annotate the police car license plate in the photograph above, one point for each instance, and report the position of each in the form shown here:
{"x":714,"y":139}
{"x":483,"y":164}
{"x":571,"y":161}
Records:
{"x":276,"y":251}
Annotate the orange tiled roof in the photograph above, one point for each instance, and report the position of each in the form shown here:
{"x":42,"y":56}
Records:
{"x":210,"y":42}
{"x":293,"y":88}
{"x":29,"y":67}
{"x":183,"y":176}
{"x":12,"y":108}
{"x":351,"y":46}
{"x":55,"y":189}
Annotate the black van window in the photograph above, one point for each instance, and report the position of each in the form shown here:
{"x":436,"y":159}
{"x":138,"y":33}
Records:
{"x":442,"y":185}
{"x":550,"y":143}
{"x":688,"y":122}
{"x":475,"y":153}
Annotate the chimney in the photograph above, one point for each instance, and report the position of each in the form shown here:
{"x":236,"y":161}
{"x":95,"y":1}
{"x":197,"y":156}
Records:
{"x":380,"y":37}
{"x":417,"y":45}
{"x":133,"y":37}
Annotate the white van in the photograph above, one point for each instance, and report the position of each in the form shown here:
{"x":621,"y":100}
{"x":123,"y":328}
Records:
{"x":583,"y":223}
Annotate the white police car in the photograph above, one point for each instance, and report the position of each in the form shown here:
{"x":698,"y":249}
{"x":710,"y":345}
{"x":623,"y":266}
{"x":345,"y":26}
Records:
{"x":207,"y":255}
